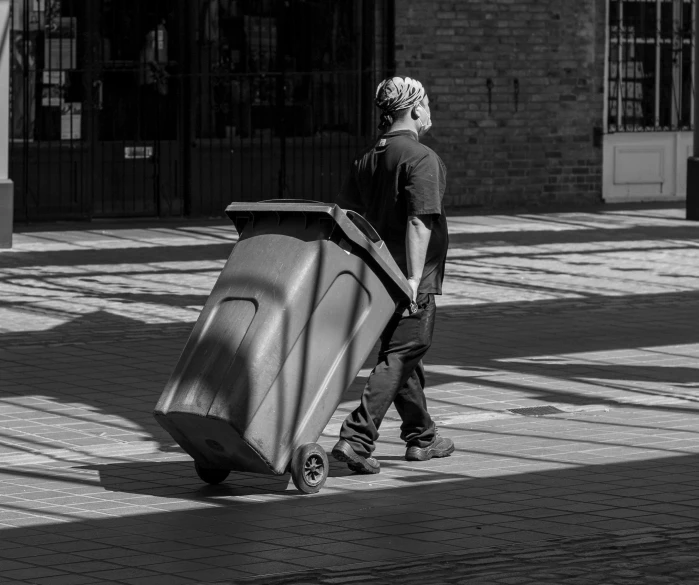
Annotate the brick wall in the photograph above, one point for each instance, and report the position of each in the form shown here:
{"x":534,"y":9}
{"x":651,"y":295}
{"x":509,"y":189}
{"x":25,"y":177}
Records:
{"x":539,"y":151}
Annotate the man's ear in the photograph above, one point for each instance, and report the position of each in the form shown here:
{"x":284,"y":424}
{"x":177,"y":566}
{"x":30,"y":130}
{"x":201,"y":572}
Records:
{"x":413,"y":113}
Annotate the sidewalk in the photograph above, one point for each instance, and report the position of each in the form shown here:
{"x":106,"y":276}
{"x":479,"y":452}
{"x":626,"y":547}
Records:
{"x":592,"y":315}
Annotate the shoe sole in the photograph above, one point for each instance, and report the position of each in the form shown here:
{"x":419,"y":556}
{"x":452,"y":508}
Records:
{"x":353,"y":462}
{"x":429,"y":453}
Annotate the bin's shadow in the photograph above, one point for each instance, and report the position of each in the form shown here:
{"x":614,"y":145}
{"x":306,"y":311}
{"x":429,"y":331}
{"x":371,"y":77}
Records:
{"x":177,"y":479}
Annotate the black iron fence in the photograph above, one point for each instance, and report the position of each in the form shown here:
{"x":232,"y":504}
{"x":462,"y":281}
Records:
{"x":172,"y":107}
{"x":650,"y":66}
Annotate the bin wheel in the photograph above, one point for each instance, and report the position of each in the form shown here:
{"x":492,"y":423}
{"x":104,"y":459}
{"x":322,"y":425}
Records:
{"x":211,"y":475}
{"x":309,"y":468}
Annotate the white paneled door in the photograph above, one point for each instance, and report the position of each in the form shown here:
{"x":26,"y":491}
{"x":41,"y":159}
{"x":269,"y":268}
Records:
{"x":646,"y":166}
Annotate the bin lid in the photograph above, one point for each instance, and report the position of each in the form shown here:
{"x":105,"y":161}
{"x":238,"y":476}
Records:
{"x":353,"y":226}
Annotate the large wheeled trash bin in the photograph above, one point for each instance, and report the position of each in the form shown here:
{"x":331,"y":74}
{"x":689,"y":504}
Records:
{"x":300,"y":303}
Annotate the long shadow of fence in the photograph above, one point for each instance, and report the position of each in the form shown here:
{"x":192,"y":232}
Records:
{"x":504,"y":337}
{"x":210,"y":537}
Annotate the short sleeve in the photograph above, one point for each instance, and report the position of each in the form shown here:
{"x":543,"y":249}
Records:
{"x":425,"y":184}
{"x":349,"y":196}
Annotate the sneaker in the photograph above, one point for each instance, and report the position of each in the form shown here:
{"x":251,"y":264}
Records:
{"x":440,"y":447}
{"x":343,"y":452}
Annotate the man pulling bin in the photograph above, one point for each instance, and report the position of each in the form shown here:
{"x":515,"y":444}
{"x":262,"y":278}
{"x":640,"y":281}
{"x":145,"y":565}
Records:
{"x":264,"y":369}
{"x":398,"y":185}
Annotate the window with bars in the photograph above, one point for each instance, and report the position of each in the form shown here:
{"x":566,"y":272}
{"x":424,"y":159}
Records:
{"x":651,"y":60}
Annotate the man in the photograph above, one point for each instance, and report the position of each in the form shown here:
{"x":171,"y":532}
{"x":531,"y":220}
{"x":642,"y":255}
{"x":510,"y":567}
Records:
{"x":398,"y":185}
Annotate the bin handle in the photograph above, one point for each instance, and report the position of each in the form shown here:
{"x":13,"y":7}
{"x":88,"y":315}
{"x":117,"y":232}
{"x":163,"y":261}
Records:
{"x":363,"y":225}
{"x":293,"y":201}
{"x":358,"y":220}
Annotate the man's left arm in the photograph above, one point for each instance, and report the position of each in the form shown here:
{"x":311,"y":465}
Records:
{"x":424,"y":204}
{"x":417,"y":238}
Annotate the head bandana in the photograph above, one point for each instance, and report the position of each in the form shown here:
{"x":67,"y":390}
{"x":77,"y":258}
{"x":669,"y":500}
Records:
{"x":395,"y":94}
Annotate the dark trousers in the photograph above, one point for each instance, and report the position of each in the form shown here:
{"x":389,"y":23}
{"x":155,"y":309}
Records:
{"x":399,"y":378}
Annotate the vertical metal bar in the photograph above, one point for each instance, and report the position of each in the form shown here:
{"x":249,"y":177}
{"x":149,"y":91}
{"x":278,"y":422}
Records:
{"x":201,"y":106}
{"x":64,"y":162}
{"x":67,"y":143}
{"x":280,"y":95}
{"x":186,"y":101}
{"x":681,"y":56}
{"x":640,"y":57}
{"x":71,"y":142}
{"x":261,"y":93}
{"x":273,"y":53}
{"x":629,"y":70}
{"x":160,"y":104}
{"x":316,"y":116}
{"x":390,"y":30}
{"x":303,"y":141}
{"x":338,"y":82}
{"x":96,"y":146}
{"x":228,"y":124}
{"x":322,"y":134}
{"x":56,"y":144}
{"x":335,"y":107}
{"x":344,"y":149}
{"x":39,"y":140}
{"x":676,"y":63}
{"x":619,"y":74}
{"x":26,"y":137}
{"x":242,"y":121}
{"x":358,"y":57}
{"x":100,"y":144}
{"x":250,"y":168}
{"x":157,"y":104}
{"x":142,"y":134}
{"x":6,"y":157}
{"x":607,"y":65}
{"x":291,"y":118}
{"x":693,"y":63}
{"x":696,"y":75}
{"x":658,"y":41}
{"x":294,"y":126}
{"x":79,"y":143}
{"x":216,"y":79}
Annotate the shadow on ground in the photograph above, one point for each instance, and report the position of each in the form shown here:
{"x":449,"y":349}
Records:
{"x":237,"y":539}
{"x":428,"y":512}
{"x":503,"y":344}
{"x":540,"y":330}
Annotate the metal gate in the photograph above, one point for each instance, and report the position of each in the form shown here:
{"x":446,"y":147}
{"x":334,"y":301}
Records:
{"x":650,"y":99}
{"x":650,"y":65}
{"x":171,"y":107}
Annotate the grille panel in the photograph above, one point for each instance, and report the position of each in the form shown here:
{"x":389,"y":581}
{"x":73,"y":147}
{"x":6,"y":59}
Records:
{"x":536,"y":410}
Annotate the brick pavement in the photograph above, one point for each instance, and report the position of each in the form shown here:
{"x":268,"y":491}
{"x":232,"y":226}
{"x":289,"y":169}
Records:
{"x":592,"y":313}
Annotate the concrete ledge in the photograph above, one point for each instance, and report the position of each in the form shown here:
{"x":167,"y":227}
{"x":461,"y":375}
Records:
{"x":6,"y":212}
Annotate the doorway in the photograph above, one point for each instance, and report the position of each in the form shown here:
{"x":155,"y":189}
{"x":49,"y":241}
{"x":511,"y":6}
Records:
{"x":128,"y":108}
{"x":134,"y":75}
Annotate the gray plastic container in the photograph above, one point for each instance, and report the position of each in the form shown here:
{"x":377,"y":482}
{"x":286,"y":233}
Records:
{"x":299,"y":305}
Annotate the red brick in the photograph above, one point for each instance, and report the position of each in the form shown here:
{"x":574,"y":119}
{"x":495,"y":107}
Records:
{"x":453,"y":47}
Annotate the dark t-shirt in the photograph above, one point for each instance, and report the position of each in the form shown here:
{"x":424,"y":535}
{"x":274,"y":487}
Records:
{"x":394,"y":179}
